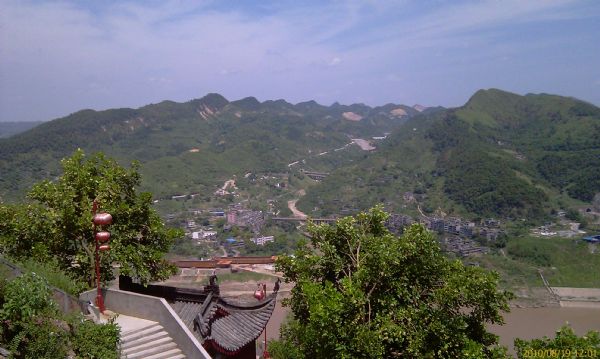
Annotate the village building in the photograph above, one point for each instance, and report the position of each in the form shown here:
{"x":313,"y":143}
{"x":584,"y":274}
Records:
{"x":261,"y":241}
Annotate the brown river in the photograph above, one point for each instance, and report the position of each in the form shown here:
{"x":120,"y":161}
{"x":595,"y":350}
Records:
{"x":529,"y":323}
{"x":524,"y":323}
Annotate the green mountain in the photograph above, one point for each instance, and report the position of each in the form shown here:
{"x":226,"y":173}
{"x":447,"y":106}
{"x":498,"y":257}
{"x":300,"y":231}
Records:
{"x":500,"y":154}
{"x":193,"y":147}
{"x":8,"y":129}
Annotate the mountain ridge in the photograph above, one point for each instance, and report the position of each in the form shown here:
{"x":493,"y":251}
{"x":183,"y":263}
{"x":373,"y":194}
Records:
{"x":500,"y":154}
{"x":228,"y":137}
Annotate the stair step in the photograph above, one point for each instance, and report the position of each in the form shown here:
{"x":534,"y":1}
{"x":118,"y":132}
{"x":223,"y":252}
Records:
{"x":128,"y":343}
{"x":165,"y":340}
{"x":140,"y":333}
{"x":170,"y":354}
{"x":155,"y":350}
{"x":129,"y":332}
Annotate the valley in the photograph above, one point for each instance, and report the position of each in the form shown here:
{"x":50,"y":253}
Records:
{"x":480,"y":176}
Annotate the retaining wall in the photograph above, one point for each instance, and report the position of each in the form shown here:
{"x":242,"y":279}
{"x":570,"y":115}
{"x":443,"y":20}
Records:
{"x":151,"y":308}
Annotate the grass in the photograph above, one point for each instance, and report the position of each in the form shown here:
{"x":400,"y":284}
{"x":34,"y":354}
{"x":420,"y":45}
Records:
{"x":513,"y":273}
{"x":55,"y":277}
{"x":565,"y":262}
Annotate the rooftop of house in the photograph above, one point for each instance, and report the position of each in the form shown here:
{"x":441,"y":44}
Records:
{"x":224,"y":324}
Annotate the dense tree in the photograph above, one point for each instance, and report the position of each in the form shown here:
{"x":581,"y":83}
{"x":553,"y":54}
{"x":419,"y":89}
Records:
{"x":361,"y":292}
{"x":57,"y":221}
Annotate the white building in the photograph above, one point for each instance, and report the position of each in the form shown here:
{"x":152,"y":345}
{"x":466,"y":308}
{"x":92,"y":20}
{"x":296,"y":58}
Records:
{"x":204,"y":235}
{"x":260,"y":241}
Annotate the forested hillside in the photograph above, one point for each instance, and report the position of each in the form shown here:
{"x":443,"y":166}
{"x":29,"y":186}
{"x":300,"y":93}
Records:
{"x":193,"y":146}
{"x":8,"y":129}
{"x":500,"y":154}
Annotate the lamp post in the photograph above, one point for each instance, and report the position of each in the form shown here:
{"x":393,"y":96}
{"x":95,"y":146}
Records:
{"x":101,"y":238}
{"x":260,"y":294}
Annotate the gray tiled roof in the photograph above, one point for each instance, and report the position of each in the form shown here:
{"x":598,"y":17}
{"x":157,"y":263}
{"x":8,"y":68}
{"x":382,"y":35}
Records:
{"x":227,"y":324}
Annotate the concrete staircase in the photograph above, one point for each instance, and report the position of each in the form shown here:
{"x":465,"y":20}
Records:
{"x":149,"y":341}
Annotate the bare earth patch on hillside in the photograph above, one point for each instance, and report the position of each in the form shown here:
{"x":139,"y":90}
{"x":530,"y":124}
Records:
{"x":295,"y":211}
{"x":363,"y":144}
{"x":398,"y":112}
{"x":351,"y":116}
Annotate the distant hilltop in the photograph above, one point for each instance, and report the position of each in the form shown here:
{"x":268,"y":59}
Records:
{"x":419,"y":108}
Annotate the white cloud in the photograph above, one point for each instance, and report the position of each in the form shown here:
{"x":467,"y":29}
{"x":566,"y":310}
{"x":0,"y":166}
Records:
{"x":57,"y":57}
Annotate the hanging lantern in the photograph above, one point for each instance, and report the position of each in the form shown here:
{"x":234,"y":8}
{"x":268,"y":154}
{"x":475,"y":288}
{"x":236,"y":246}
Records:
{"x":102,"y":219}
{"x":259,"y":294}
{"x":103,"y":236}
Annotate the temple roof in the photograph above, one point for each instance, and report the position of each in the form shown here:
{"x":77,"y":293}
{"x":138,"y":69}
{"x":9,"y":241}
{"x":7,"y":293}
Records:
{"x":226,"y":324}
{"x":223,"y":323}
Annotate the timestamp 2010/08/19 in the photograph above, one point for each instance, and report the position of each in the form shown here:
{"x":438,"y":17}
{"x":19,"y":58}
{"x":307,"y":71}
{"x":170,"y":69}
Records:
{"x":560,"y":353}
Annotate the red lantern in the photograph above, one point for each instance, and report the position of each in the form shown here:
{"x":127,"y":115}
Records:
{"x":104,"y":247}
{"x":102,"y":236}
{"x":259,"y":294}
{"x":102,"y":219}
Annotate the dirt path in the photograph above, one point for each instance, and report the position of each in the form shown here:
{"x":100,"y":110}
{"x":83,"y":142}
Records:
{"x":224,"y":251}
{"x":295,"y":211}
{"x":292,"y":206}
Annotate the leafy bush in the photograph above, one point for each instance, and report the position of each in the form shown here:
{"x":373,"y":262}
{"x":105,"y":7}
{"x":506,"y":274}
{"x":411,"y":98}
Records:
{"x":95,"y":341}
{"x":573,"y":215}
{"x":32,"y":326}
{"x":41,"y":338}
{"x":25,"y":297}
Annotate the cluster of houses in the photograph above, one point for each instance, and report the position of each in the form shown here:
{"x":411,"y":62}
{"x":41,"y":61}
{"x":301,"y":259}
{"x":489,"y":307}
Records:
{"x":457,"y":233}
{"x":488,"y":228}
{"x":241,"y":217}
{"x":463,"y":247}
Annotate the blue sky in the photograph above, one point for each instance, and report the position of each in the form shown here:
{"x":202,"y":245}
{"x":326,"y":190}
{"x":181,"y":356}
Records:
{"x":60,"y":57}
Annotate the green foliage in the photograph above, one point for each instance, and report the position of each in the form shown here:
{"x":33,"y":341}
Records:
{"x":362,"y":293}
{"x":41,"y":338}
{"x":26,"y":296}
{"x":57,"y":224}
{"x":530,"y":252}
{"x":8,"y":129}
{"x":500,"y":155}
{"x":185,"y":247}
{"x":231,"y":138}
{"x":27,"y":315}
{"x":283,"y":244}
{"x":95,"y":341}
{"x":576,"y":171}
{"x":482,"y":183}
{"x":565,"y":262}
{"x":56,"y":277}
{"x":32,"y":327}
{"x":573,"y":215}
{"x":566,"y":344}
